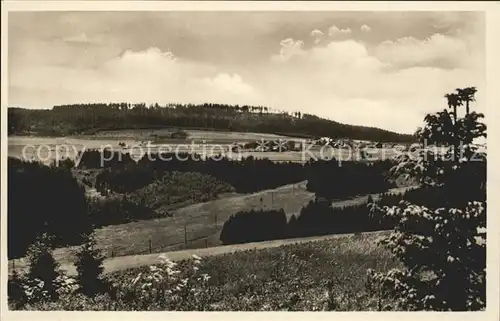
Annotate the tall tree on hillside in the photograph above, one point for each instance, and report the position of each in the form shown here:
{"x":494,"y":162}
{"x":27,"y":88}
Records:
{"x":454,"y":101}
{"x":442,"y":246}
{"x":89,"y":267}
{"x":467,"y":95}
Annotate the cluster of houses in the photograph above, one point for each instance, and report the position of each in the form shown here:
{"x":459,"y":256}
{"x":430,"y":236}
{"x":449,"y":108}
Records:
{"x":269,"y":146}
{"x":123,"y":145}
{"x":349,"y":143}
{"x":294,"y":145}
{"x":284,"y":145}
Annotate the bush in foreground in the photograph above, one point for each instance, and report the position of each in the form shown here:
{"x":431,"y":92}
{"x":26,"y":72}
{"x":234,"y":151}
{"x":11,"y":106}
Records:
{"x":43,"y":282}
{"x":443,"y":252}
{"x":443,"y":255}
{"x":43,"y":270}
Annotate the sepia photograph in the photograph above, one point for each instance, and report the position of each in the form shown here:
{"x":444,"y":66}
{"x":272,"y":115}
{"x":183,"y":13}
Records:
{"x":245,"y":160}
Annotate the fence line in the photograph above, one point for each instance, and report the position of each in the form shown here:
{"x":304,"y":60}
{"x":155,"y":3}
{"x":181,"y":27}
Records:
{"x":209,"y":237}
{"x":150,"y":247}
{"x":184,"y":243}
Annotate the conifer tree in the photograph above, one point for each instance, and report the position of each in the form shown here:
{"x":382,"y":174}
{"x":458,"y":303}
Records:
{"x":42,"y":265}
{"x":89,"y":267}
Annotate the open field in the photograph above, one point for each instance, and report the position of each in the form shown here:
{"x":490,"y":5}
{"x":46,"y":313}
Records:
{"x":193,"y":134}
{"x":131,"y":136}
{"x":200,"y":223}
{"x":47,"y":149}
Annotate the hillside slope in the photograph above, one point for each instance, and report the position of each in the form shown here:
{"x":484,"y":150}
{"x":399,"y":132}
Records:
{"x":90,"y":118}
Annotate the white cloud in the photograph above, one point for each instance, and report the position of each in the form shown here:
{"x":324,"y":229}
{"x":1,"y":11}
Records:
{"x":341,"y":54}
{"x":365,"y":28}
{"x":232,"y":84}
{"x":317,"y":35}
{"x":334,"y":30}
{"x":437,"y":50}
{"x":346,"y":81}
{"x":144,"y":76}
{"x":289,"y":48}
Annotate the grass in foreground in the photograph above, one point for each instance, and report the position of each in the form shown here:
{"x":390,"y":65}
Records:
{"x":291,"y":277}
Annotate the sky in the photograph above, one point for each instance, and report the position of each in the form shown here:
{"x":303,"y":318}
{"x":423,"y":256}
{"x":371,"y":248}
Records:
{"x":380,"y":69}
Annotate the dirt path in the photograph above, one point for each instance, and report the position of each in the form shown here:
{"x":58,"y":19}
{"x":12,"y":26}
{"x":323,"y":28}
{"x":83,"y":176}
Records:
{"x":134,"y":261}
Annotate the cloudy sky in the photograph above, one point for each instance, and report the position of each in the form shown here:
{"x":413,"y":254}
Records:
{"x":383,"y":69}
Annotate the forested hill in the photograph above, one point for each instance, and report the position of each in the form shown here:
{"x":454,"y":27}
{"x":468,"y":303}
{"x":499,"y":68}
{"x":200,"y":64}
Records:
{"x":89,"y":118}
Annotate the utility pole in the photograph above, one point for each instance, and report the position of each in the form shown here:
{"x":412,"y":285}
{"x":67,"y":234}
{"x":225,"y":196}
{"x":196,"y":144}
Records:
{"x":202,"y":186}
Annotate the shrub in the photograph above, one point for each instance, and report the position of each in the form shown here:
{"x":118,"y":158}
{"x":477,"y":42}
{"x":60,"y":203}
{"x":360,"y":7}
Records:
{"x":320,"y":218}
{"x":118,"y":210}
{"x":324,"y":178}
{"x":163,"y":286}
{"x":443,"y":256}
{"x":179,"y":187}
{"x":254,"y":226}
{"x":124,"y":179}
{"x":43,"y":271}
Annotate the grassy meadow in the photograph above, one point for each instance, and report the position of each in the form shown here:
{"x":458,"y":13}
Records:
{"x":204,"y":142}
{"x":289,"y":277}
